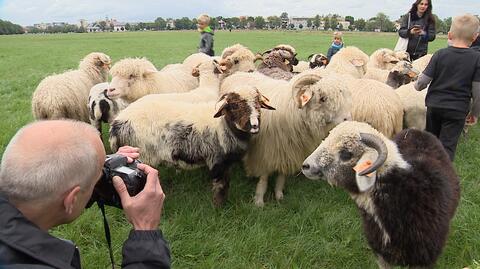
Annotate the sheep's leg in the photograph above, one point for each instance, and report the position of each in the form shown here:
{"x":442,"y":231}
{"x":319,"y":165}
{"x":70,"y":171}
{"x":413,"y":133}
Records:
{"x":279,"y":185}
{"x":221,"y":184}
{"x":382,"y":264}
{"x":261,"y":190}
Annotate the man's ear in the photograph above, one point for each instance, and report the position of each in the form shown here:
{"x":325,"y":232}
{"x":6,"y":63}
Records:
{"x":70,"y":199}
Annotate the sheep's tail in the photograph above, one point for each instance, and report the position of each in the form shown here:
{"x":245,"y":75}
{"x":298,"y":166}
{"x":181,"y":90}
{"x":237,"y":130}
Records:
{"x":121,"y":133}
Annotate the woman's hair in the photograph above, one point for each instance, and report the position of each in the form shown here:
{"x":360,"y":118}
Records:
{"x":428,"y":12}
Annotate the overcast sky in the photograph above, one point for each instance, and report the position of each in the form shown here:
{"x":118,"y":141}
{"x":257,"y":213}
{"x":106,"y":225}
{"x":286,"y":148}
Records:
{"x":28,"y":12}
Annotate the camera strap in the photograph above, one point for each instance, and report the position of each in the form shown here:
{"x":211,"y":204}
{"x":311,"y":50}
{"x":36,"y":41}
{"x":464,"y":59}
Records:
{"x":107,"y":232}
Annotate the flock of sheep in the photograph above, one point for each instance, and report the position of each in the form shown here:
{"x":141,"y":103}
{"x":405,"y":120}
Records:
{"x":214,"y":111}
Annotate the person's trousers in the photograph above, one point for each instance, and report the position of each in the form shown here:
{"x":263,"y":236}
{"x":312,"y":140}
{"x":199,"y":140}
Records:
{"x":447,"y":125}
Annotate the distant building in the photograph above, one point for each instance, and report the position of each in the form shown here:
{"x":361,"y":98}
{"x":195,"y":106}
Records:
{"x":170,"y":24}
{"x":298,"y":22}
{"x":83,"y":23}
{"x":93,"y":27}
{"x":119,"y":27}
{"x":345,"y":24}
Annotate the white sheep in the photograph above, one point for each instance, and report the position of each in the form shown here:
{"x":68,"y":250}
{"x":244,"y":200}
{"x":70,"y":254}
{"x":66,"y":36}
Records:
{"x":402,"y":55}
{"x":133,"y":78}
{"x":210,"y":74}
{"x":238,"y":56}
{"x":349,"y":61}
{"x":383,"y":59}
{"x":413,"y":105}
{"x":307,"y":108}
{"x":421,"y":63}
{"x":301,"y":66}
{"x":101,"y":107}
{"x":376,"y":104}
{"x":187,"y":135}
{"x":66,"y":95}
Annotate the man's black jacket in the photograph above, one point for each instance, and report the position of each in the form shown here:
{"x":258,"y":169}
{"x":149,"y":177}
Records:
{"x":24,"y":245}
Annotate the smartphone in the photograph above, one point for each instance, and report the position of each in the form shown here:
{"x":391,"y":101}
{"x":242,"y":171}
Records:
{"x":417,"y":26}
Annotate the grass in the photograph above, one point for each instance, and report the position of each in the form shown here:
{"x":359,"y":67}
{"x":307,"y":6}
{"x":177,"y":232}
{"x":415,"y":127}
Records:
{"x":316,"y":226}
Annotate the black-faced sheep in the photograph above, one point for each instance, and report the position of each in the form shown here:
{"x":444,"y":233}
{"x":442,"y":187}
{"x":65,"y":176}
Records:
{"x":187,"y":135}
{"x":314,"y":61}
{"x":402,"y":73}
{"x":133,"y":78}
{"x":66,"y":95}
{"x":101,"y":107}
{"x":407,"y":190}
{"x":307,"y":108}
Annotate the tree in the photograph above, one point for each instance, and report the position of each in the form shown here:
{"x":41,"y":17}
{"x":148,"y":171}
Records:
{"x":127,"y":27}
{"x":274,"y":22}
{"x":316,"y":21}
{"x":334,"y":23}
{"x":284,"y":16}
{"x":9,"y":28}
{"x":291,"y":25}
{"x":340,"y":27}
{"x":259,"y":22}
{"x":360,"y":24}
{"x":350,"y":19}
{"x":448,"y":23}
{"x":300,"y":26}
{"x":309,"y":23}
{"x":160,"y":23}
{"x":102,"y":25}
{"x":439,"y":25}
{"x":326,"y":23}
{"x":235,"y":22}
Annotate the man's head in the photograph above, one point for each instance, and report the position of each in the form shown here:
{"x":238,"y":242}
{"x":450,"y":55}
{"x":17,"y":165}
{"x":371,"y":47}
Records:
{"x":52,"y":166}
{"x":464,"y":29}
{"x":203,"y":21}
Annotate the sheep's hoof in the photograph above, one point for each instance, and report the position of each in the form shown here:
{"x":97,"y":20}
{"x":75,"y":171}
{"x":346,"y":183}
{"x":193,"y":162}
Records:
{"x":218,"y":200}
{"x":279,"y":195}
{"x":259,"y":202}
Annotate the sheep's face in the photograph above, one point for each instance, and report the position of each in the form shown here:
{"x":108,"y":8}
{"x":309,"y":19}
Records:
{"x":241,"y":60}
{"x":242,"y":111}
{"x":128,"y":74}
{"x":402,"y":73}
{"x":388,"y":58}
{"x":317,"y":60}
{"x":325,"y":100}
{"x":402,"y":56}
{"x":344,"y":155}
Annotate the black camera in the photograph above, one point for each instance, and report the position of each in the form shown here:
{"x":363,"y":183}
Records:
{"x":117,"y":165}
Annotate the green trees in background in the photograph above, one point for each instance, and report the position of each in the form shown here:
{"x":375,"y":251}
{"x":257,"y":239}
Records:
{"x":8,"y":28}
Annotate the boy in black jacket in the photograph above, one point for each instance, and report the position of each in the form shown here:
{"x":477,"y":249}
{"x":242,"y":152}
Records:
{"x":454,"y":73}
{"x":206,"y":40}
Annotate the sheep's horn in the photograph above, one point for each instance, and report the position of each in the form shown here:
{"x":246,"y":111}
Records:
{"x":306,"y":80}
{"x":376,"y":143}
{"x":310,"y":56}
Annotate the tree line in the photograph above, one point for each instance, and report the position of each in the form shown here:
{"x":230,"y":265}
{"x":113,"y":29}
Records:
{"x":381,"y":22}
{"x":8,"y":28}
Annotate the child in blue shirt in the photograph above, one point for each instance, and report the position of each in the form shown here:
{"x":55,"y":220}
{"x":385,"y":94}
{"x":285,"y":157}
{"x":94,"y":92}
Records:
{"x":337,"y":44}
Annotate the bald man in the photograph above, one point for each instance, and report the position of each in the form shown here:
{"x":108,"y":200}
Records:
{"x":47,"y":176}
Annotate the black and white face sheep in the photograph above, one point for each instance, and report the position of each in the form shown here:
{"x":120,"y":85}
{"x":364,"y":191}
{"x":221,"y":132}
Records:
{"x":406,"y":189}
{"x":317,"y":60}
{"x":101,"y":107}
{"x":402,"y":73}
{"x":188,"y":135}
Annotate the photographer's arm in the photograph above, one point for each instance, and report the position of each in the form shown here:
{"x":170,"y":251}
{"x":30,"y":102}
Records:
{"x":145,"y":246}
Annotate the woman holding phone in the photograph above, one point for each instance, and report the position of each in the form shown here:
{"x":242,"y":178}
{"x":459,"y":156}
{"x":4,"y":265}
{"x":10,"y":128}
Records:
{"x":418,"y":25}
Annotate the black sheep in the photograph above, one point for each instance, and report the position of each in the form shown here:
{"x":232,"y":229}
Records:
{"x":407,"y":189}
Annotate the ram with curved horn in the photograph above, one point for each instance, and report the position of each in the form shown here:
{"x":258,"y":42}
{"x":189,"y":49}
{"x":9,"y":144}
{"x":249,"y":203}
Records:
{"x":406,"y":189}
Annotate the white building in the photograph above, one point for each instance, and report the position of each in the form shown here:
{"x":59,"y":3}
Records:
{"x":297,"y":21}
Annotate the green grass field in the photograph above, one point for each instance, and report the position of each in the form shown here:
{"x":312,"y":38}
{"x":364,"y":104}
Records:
{"x":316,"y":226}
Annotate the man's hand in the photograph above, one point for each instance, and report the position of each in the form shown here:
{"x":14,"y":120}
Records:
{"x":144,"y":209}
{"x":471,"y":120}
{"x":130,"y":152}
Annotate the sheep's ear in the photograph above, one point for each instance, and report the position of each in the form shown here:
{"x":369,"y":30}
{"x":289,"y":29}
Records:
{"x":224,"y":65}
{"x":195,"y":72}
{"x":222,"y":103}
{"x":358,"y":62}
{"x":365,"y":182}
{"x":264,"y":103}
{"x":302,"y":89}
{"x":310,"y":56}
{"x":149,"y":72}
{"x":258,"y":57}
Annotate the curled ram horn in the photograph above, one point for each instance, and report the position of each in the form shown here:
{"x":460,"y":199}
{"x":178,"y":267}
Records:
{"x":376,"y":143}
